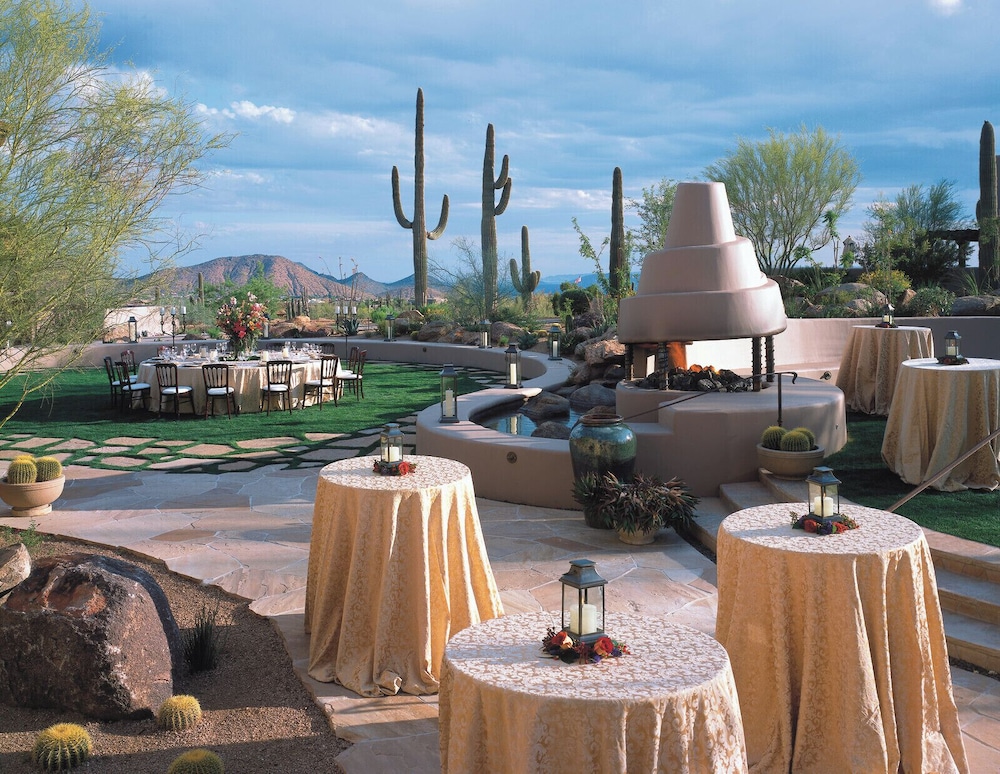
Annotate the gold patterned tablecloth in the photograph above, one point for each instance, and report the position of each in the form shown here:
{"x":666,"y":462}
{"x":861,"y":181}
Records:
{"x":837,"y":645}
{"x":938,"y":414}
{"x":870,"y":363}
{"x":397,"y":564}
{"x":670,"y":706}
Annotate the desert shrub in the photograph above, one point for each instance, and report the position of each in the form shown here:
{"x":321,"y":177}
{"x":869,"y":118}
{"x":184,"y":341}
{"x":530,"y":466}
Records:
{"x":204,"y":643}
{"x":893,"y":283}
{"x":928,"y":302}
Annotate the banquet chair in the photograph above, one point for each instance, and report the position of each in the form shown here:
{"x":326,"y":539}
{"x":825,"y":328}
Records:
{"x":114,"y":383}
{"x":279,"y":383}
{"x":352,"y":358}
{"x":355,"y":377}
{"x":327,"y":348}
{"x":128,"y":357}
{"x":130,"y":389}
{"x":166,"y":378}
{"x":216,"y":376}
{"x":328,"y":365}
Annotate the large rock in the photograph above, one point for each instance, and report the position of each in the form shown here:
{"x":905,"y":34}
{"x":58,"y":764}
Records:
{"x":434,"y":330}
{"x":545,"y":405}
{"x":592,"y":395}
{"x":976,"y":306}
{"x":88,"y":634}
{"x":603,"y":350}
{"x":558,"y":430}
{"x":15,"y":565}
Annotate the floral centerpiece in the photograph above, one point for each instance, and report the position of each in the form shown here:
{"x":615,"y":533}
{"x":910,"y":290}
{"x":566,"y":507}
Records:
{"x":242,"y":322}
{"x":402,"y":468}
{"x":830,"y":525}
{"x":561,"y":646}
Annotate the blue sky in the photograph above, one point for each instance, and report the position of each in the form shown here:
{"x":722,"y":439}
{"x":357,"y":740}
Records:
{"x":322,"y":95}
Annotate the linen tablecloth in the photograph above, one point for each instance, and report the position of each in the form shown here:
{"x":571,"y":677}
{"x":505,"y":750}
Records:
{"x":938,"y":414}
{"x":871,"y":360}
{"x":837,"y":645}
{"x":397,"y":565}
{"x":670,"y":706}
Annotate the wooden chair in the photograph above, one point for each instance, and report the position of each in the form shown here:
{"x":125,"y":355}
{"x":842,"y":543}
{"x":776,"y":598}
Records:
{"x":166,"y":378}
{"x":279,"y":383}
{"x":130,"y":389}
{"x":352,"y":358}
{"x":114,"y":384}
{"x":327,"y":348}
{"x":128,"y":358}
{"x":355,"y":377}
{"x":216,"y":376}
{"x":327,"y":380}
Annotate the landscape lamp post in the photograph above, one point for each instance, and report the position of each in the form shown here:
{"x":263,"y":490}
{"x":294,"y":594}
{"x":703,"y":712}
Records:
{"x":449,"y":394}
{"x":390,"y":322}
{"x":484,"y":334}
{"x":583,"y":602}
{"x":133,"y":330}
{"x":554,"y":342}
{"x":512,"y":359}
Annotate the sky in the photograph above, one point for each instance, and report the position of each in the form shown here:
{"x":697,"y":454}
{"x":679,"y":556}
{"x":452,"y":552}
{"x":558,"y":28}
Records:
{"x":321,"y":95}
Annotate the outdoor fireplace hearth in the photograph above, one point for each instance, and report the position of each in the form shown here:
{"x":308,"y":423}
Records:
{"x":695,"y":379}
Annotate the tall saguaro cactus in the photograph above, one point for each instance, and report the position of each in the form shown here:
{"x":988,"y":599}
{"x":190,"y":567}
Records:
{"x":419,"y":223}
{"x":527,"y":280}
{"x":986,"y":207}
{"x":488,"y":226}
{"x":617,"y":268}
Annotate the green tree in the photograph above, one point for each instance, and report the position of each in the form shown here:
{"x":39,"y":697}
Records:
{"x":465,"y":283}
{"x":654,"y":212}
{"x":780,"y":189}
{"x":87,"y":157}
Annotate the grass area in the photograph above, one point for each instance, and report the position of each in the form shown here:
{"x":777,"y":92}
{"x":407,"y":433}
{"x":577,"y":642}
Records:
{"x":973,"y":514}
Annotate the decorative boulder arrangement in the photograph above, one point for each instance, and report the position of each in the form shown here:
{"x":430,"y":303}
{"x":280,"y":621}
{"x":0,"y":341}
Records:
{"x":15,"y":566}
{"x":89,"y":634}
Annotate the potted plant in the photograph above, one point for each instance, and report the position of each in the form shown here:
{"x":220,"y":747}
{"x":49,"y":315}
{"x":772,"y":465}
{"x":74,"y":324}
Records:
{"x":31,"y":485}
{"x":790,"y":454}
{"x":637,"y":508}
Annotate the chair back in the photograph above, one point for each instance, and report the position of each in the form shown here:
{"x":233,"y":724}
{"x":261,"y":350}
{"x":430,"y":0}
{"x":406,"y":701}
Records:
{"x":109,"y":366}
{"x":360,"y":367}
{"x":166,"y":375}
{"x":215,"y":375}
{"x":122,"y":374}
{"x":327,"y":348}
{"x":279,"y":372}
{"x":352,"y":358}
{"x":128,"y":357}
{"x":328,"y":365}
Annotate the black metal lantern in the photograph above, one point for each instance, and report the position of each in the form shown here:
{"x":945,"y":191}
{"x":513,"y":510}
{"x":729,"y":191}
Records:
{"x":952,"y":345}
{"x":484,"y":334}
{"x":390,"y":327}
{"x":512,"y":360}
{"x":133,"y":330}
{"x":554,"y":342}
{"x":449,"y":394}
{"x":824,"y":494}
{"x":391,"y":442}
{"x":888,"y":316}
{"x":583,"y":601}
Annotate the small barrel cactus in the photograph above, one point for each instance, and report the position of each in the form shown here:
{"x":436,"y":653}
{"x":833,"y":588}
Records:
{"x":795,"y":441}
{"x":179,"y":713}
{"x":808,"y":434}
{"x":771,"y":437}
{"x":22,"y":470}
{"x":198,"y":761}
{"x":48,"y":468}
{"x":61,"y":747}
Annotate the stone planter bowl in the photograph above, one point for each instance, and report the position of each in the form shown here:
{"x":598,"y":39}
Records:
{"x":32,"y":499}
{"x":640,"y":538}
{"x":788,"y":464}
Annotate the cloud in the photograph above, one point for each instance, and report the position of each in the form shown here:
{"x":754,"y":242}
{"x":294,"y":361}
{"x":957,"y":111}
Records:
{"x":246,"y":109}
{"x":946,"y":7}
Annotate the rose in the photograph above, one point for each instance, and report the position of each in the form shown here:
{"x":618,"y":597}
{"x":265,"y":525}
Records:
{"x":604,"y":647}
{"x":404,"y":468}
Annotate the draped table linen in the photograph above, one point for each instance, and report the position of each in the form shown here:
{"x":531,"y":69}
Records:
{"x":670,"y":706}
{"x":871,"y":360}
{"x":938,"y":414}
{"x":837,"y":645}
{"x":397,"y":565}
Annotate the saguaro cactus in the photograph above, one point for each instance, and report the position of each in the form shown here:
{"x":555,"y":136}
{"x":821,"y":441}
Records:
{"x":525,"y":282}
{"x":986,"y":207}
{"x":488,"y":226}
{"x":419,"y":223}
{"x":617,"y":268}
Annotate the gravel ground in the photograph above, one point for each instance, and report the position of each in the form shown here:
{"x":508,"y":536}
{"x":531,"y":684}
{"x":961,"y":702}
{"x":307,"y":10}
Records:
{"x":257,"y":716}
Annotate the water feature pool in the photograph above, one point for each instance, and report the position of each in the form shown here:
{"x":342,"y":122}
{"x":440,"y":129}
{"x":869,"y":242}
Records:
{"x":508,"y":419}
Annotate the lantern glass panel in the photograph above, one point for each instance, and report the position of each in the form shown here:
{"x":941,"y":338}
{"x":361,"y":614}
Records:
{"x":512,"y":358}
{"x":449,"y":393}
{"x":824,"y":494}
{"x":391,"y":443}
{"x":583,"y":601}
{"x":952,"y":344}
{"x":554,"y":343}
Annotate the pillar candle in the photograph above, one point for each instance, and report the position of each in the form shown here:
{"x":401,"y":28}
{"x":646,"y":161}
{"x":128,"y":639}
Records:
{"x":449,"y":403}
{"x":589,"y":619}
{"x":394,"y":454}
{"x":824,"y":509}
{"x":512,"y":376}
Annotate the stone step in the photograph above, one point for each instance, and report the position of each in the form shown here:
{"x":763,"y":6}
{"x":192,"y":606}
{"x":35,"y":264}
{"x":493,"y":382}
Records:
{"x":972,"y":640}
{"x":968,"y":596}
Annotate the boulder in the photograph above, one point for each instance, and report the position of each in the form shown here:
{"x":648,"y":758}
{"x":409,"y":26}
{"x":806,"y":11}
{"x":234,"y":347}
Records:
{"x":603,"y":350}
{"x":545,"y":405}
{"x":559,"y":430}
{"x":15,"y":566}
{"x":434,"y":330}
{"x":89,"y":634}
{"x":976,"y":306}
{"x":592,"y":395}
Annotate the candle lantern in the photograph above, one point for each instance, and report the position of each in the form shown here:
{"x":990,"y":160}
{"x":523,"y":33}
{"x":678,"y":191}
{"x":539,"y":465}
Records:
{"x":391,"y":442}
{"x":484,"y":334}
{"x":554,"y":342}
{"x":390,"y":322}
{"x":952,"y":345}
{"x":824,"y":497}
{"x":512,"y":359}
{"x":583,"y":601}
{"x":266,"y":333}
{"x":133,"y":330}
{"x":888,"y":316}
{"x":449,"y":394}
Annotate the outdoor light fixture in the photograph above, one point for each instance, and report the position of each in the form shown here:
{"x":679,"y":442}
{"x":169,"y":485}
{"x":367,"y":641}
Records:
{"x":449,"y":394}
{"x":554,"y":342}
{"x":888,"y":316}
{"x":133,"y":330}
{"x":391,"y":443}
{"x":390,"y":322}
{"x":824,"y":497}
{"x":512,"y":358}
{"x":952,"y":345}
{"x":484,"y":334}
{"x":583,"y":601}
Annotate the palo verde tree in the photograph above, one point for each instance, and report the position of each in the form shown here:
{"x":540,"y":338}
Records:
{"x":488,"y":224}
{"x":88,"y":154}
{"x":654,"y":212}
{"x":419,"y":223}
{"x":780,"y":188}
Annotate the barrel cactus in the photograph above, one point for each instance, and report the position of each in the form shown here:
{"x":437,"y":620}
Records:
{"x":61,"y":747}
{"x":795,"y":441}
{"x":48,"y":468}
{"x":771,"y":437}
{"x":179,"y":713}
{"x":808,"y":434}
{"x":198,"y":761}
{"x":22,"y":470}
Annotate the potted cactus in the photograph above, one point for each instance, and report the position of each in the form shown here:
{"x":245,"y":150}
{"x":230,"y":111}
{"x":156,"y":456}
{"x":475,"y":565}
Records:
{"x":32,"y":484}
{"x":790,"y":454}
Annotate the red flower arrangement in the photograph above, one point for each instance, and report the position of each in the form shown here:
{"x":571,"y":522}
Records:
{"x":561,"y":646}
{"x":829,"y":526}
{"x":394,"y":468}
{"x":242,"y":322}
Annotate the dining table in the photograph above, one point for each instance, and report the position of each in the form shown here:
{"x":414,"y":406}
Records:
{"x":837,"y":644}
{"x":939,"y":413}
{"x":245,"y":377}
{"x":871,"y":360}
{"x":397,"y":565}
{"x":670,"y":704}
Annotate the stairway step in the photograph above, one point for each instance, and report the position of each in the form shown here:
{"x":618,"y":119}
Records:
{"x":970,"y":596}
{"x":972,"y":640}
{"x":746,"y":494}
